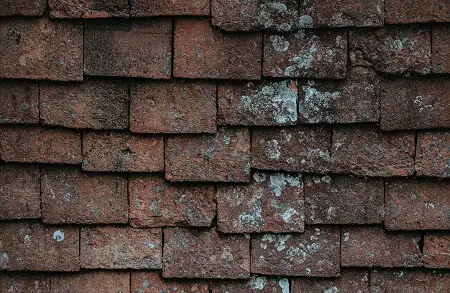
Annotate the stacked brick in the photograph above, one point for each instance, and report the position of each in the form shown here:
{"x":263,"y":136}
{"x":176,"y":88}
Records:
{"x":224,"y":146}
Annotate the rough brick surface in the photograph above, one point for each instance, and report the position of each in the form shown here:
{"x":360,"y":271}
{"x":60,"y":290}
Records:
{"x":440,"y":60}
{"x":433,"y":154}
{"x":20,"y":102}
{"x":257,"y":284}
{"x":91,"y":282}
{"x":350,"y":280}
{"x":173,"y":107}
{"x":151,"y":282}
{"x":398,"y":11}
{"x":22,"y":283}
{"x":120,"y":248}
{"x":88,"y":8}
{"x":312,"y":253}
{"x":70,"y":196}
{"x":190,"y":253}
{"x":409,"y":281}
{"x":142,"y":8}
{"x":436,"y":250}
{"x":23,"y":7}
{"x":157,"y":203}
{"x":201,"y":51}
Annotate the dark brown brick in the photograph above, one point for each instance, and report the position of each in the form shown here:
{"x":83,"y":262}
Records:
{"x":409,"y":281}
{"x":350,"y":280}
{"x":122,"y":152}
{"x":22,"y":7}
{"x":142,"y":8}
{"x":370,"y":246}
{"x":191,"y":253}
{"x":34,"y":247}
{"x":157,"y":203}
{"x":224,"y":156}
{"x":23,"y":283}
{"x":313,"y":253}
{"x":257,"y":284}
{"x":92,"y":282}
{"x":152,"y":282}
{"x":120,"y":248}
{"x":20,"y":102}
{"x":400,"y":11}
{"x":440,"y":60}
{"x":70,"y":196}
{"x":311,"y":54}
{"x":441,"y":10}
{"x":113,"y":48}
{"x":436,"y":250}
{"x":433,"y":154}
{"x":370,"y":152}
{"x":173,"y":107}
{"x":291,"y":149}
{"x":204,"y":52}
{"x":88,"y":8}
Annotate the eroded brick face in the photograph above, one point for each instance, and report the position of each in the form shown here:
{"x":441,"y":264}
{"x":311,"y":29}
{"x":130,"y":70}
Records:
{"x":90,"y":282}
{"x":141,"y":8}
{"x":433,"y":154}
{"x":20,"y":102}
{"x":88,"y":8}
{"x":441,"y":48}
{"x":398,"y":11}
{"x":150,"y":282}
{"x":350,"y":280}
{"x":409,"y":281}
{"x":253,"y":285}
{"x":436,"y":250}
{"x":23,"y":7}
{"x":20,"y":283}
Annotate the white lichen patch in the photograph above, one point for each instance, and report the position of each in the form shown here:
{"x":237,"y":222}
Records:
{"x":259,"y":177}
{"x":58,"y":235}
{"x":276,"y":15}
{"x":281,"y":243}
{"x":278,"y":181}
{"x":4,"y":259}
{"x":273,"y":149}
{"x":300,"y":252}
{"x":279,"y":43}
{"x":266,"y":238}
{"x":284,"y":285}
{"x":426,"y":103}
{"x":331,"y":290}
{"x":346,"y":236}
{"x":303,"y":60}
{"x":305,"y":21}
{"x":258,"y":283}
{"x":315,"y":105}
{"x":288,"y":214}
{"x":254,"y":217}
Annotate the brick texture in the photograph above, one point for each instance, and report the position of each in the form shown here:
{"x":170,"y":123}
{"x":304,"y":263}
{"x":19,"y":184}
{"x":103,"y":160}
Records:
{"x":23,"y":7}
{"x":409,"y":281}
{"x":142,"y":8}
{"x":88,"y":8}
{"x":350,"y":280}
{"x":255,"y":284}
{"x":433,"y":154}
{"x":20,"y":102}
{"x":91,"y":282}
{"x":436,"y":250}
{"x":398,"y":11}
{"x":21,"y":283}
{"x":441,"y":49}
{"x":150,"y":282}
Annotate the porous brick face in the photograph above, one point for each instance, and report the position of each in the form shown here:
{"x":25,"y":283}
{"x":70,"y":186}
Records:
{"x":256,"y":284}
{"x":409,"y":281}
{"x":350,"y":280}
{"x":20,"y":102}
{"x":23,"y":7}
{"x":436,"y":250}
{"x":150,"y":282}
{"x":400,"y":12}
{"x":441,"y":48}
{"x":433,"y":154}
{"x":21,"y":283}
{"x":88,"y":8}
{"x":142,"y":8}
{"x":91,"y":282}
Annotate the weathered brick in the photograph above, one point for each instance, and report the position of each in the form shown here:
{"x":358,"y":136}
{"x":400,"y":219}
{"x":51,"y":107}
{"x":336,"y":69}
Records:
{"x":41,"y":49}
{"x":113,"y":48}
{"x":392,"y":49}
{"x":354,"y":99}
{"x":411,"y":103}
{"x":204,"y":52}
{"x":34,"y":247}
{"x":142,"y":8}
{"x":20,"y":192}
{"x":310,"y":54}
{"x":122,"y":152}
{"x":22,"y":7}
{"x":224,"y":156}
{"x":40,"y":145}
{"x":264,"y":103}
{"x":350,"y":280}
{"x":409,"y":281}
{"x":372,"y":246}
{"x":88,"y":8}
{"x":91,"y":104}
{"x":173,"y":107}
{"x":440,"y":60}
{"x":190,"y":253}
{"x":399,"y":11}
{"x":291,"y":149}
{"x":70,"y":196}
{"x":436,"y":250}
{"x":367,"y":151}
{"x":250,"y":15}
{"x":344,"y":200}
{"x":151,"y":282}
{"x":157,"y":203}
{"x":23,"y":283}
{"x":270,"y":203}
{"x":257,"y":284}
{"x":20,"y":102}
{"x":312,"y":253}
{"x":417,"y":204}
{"x":441,"y":10}
{"x":120,"y":248}
{"x":433,"y":154}
{"x":92,"y":282}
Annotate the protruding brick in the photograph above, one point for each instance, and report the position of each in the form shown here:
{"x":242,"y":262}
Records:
{"x":291,"y":149}
{"x":23,"y":283}
{"x":313,"y":253}
{"x":22,"y":7}
{"x":370,"y":246}
{"x":91,"y":104}
{"x":189,"y":253}
{"x":350,"y":280}
{"x":224,"y":156}
{"x":204,"y":52}
{"x":417,"y":204}
{"x":152,"y":282}
{"x":173,"y":107}
{"x":70,"y":196}
{"x":436,"y":250}
{"x":122,"y":152}
{"x":20,"y":102}
{"x":120,"y":248}
{"x":264,"y":103}
{"x":370,"y":152}
{"x":88,"y":8}
{"x":143,"y":8}
{"x":157,"y":203}
{"x":440,"y":59}
{"x":409,"y":281}
{"x":40,"y":145}
{"x":92,"y":282}
{"x":34,"y":247}
{"x":311,"y":54}
{"x":433,"y":154}
{"x":115,"y":48}
{"x":399,"y":11}
{"x":257,"y":284}
{"x":344,"y":200}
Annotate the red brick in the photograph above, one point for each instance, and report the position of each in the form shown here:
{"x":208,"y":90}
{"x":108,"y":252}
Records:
{"x":122,"y":152}
{"x":263,"y":103}
{"x":440,"y":60}
{"x":270,"y":203}
{"x":204,"y":52}
{"x":41,"y":49}
{"x":152,"y":282}
{"x":436,"y":250}
{"x":142,"y":8}
{"x":249,"y":15}
{"x":113,"y":48}
{"x":224,"y":156}
{"x":257,"y":284}
{"x":88,"y":8}
{"x":313,"y":253}
{"x":311,"y":54}
{"x":157,"y":203}
{"x":120,"y":248}
{"x":40,"y":145}
{"x":354,"y":99}
{"x":441,"y":10}
{"x":92,"y":104}
{"x":70,"y":196}
{"x":91,"y":282}
{"x":399,"y":11}
{"x":367,"y":151}
{"x":173,"y":107}
{"x":350,"y":280}
{"x":20,"y":102}
{"x":409,"y":281}
{"x":191,"y":253}
{"x":34,"y":247}
{"x":22,"y":7}
{"x":20,"y":192}
{"x":291,"y":149}
{"x":23,"y":283}
{"x":329,"y":200}
{"x":433,"y":154}
{"x":417,"y":204}
{"x":392,"y":50}
{"x":373,"y":247}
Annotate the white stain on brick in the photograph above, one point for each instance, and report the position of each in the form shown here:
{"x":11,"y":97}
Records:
{"x":278,"y":181}
{"x":258,"y":283}
{"x":284,"y":285}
